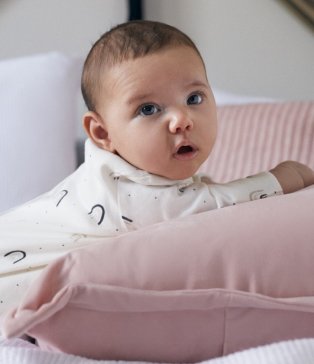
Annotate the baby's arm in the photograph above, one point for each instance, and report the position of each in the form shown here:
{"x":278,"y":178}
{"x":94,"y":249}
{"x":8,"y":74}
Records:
{"x":293,"y":176}
{"x":287,"y":177}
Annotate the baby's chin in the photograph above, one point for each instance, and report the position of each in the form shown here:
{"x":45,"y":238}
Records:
{"x":172,"y":174}
{"x":176,"y":175}
{"x":183,"y":172}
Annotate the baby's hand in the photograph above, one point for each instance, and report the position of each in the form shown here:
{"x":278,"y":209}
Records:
{"x":293,"y":176}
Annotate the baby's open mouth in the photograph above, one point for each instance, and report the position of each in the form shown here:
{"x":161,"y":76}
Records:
{"x":185,"y":152}
{"x":185,"y":149}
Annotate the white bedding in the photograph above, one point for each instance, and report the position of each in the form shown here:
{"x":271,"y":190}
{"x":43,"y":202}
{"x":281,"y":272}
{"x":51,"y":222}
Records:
{"x":18,"y":351}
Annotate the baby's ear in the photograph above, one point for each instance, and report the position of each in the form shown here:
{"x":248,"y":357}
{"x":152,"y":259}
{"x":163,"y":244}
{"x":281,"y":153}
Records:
{"x":96,"y":129}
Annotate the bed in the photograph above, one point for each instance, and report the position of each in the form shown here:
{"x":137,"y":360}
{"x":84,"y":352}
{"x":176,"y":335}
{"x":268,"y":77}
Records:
{"x":226,"y":286}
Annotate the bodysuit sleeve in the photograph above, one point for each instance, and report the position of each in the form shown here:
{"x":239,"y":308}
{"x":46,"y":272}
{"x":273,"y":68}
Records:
{"x":251,"y":188}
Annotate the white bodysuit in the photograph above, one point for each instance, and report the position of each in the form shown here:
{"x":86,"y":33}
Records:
{"x":104,"y":197}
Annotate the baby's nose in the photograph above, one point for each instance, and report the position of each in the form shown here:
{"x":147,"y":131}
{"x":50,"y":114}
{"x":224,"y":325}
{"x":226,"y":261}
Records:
{"x":179,"y":121}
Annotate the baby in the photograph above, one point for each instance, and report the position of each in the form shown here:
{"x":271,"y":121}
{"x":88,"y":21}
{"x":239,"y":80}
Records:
{"x":150,"y":103}
{"x":151,"y":123}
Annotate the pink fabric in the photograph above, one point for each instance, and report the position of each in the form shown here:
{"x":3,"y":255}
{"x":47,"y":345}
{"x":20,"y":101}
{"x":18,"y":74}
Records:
{"x":256,"y":137}
{"x":184,"y":290}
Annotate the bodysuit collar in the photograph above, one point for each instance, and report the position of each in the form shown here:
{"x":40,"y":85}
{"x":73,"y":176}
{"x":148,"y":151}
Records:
{"x":99,"y":158}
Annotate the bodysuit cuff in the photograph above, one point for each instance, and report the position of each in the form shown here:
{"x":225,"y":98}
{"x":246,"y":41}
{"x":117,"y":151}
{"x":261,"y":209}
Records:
{"x":251,"y":188}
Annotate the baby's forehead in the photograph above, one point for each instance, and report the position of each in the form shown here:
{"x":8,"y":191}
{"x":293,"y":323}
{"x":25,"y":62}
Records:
{"x":179,"y":64}
{"x":156,"y":58}
{"x":129,"y":60}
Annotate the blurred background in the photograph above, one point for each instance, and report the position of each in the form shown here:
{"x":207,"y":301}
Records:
{"x":252,"y":47}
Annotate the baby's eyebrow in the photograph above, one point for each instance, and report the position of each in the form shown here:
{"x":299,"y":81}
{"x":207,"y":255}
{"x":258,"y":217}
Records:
{"x":138,"y":98}
{"x":135,"y":99}
{"x":197,"y":83}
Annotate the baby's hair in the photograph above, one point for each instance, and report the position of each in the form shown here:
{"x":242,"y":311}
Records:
{"x":126,"y":41}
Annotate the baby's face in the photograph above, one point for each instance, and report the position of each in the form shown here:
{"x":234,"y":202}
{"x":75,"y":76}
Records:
{"x":160,"y":113}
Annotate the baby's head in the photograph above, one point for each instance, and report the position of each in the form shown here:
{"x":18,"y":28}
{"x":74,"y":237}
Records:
{"x":149,"y":100}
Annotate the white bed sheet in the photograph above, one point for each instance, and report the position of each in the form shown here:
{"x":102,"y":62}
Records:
{"x":18,"y":351}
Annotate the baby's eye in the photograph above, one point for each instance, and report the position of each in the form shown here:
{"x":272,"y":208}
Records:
{"x":149,"y":109}
{"x":195,"y":99}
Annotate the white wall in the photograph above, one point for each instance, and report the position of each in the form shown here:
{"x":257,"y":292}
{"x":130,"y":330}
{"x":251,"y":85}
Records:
{"x":254,"y":47}
{"x":71,"y":26}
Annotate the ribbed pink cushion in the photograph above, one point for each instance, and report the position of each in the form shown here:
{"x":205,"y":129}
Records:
{"x":183,"y":290}
{"x":256,"y":137}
